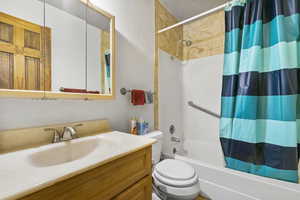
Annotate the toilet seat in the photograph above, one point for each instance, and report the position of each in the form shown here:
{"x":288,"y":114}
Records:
{"x":175,"y":173}
{"x":177,"y":179}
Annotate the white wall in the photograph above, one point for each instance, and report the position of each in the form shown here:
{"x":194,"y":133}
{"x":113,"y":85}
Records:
{"x":135,"y":41}
{"x":170,"y":94}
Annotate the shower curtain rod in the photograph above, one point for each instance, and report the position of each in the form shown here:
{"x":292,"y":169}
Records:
{"x":193,"y":18}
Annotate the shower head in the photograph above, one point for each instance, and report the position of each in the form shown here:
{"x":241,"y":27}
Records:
{"x":187,"y":43}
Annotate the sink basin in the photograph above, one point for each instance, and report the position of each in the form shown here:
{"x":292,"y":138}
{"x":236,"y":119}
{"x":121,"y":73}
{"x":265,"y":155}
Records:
{"x":23,"y":172}
{"x":64,"y":153}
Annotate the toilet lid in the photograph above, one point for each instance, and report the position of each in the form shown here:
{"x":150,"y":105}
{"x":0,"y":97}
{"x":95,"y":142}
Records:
{"x":175,"y":170}
{"x":175,"y":173}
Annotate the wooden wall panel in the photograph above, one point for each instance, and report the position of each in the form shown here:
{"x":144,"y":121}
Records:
{"x":46,"y":62}
{"x":207,"y":34}
{"x":32,"y":73}
{"x":32,"y":40}
{"x":6,"y":70}
{"x":6,"y":32}
{"x":168,"y":40}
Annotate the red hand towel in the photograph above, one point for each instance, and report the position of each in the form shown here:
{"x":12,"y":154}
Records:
{"x":93,"y":92}
{"x":72,"y":90}
{"x":138,"y":97}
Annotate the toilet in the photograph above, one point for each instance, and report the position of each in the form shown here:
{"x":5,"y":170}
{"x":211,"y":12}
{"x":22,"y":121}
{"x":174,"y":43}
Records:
{"x":172,"y":179}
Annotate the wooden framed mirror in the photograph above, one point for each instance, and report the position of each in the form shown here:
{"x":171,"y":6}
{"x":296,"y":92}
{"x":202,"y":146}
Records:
{"x":56,"y":49}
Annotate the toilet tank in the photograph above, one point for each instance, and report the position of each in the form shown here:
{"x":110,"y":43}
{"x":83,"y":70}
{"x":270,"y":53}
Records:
{"x":157,"y":147}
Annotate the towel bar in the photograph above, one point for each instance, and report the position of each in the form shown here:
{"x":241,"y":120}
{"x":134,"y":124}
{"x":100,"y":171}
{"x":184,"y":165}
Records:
{"x":124,"y":91}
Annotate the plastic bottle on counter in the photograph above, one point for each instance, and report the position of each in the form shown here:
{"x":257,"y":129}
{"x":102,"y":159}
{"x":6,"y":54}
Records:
{"x":140,"y":126}
{"x":133,"y":126}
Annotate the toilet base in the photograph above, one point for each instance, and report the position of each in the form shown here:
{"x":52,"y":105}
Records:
{"x":155,"y":197}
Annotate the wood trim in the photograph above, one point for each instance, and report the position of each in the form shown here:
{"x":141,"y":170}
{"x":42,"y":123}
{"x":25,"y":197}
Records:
{"x":4,"y":93}
{"x":65,"y":95}
{"x":113,"y":55}
{"x":156,"y":70}
{"x":99,"y":10}
{"x":7,"y":47}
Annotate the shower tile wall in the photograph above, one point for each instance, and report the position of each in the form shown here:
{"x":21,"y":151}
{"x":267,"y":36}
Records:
{"x":170,"y":95}
{"x":194,"y":76}
{"x":202,"y":83}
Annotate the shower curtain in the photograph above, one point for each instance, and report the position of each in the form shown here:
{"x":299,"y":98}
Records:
{"x":260,"y":127}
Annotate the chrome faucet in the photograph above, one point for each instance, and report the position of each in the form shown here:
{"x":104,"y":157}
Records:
{"x":68,"y":133}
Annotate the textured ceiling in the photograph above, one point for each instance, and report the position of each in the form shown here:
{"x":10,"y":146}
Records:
{"x":183,"y":9}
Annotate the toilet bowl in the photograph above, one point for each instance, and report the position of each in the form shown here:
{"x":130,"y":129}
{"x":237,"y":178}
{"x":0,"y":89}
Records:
{"x":176,"y":180}
{"x":172,"y":179}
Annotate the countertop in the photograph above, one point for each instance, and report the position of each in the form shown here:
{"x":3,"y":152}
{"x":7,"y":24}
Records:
{"x":19,"y":176}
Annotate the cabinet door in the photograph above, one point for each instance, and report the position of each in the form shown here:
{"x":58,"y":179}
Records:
{"x":22,"y":46}
{"x":140,"y":191}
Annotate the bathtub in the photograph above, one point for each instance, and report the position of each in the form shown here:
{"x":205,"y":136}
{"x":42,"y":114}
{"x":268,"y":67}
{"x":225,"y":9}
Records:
{"x":220,"y":183}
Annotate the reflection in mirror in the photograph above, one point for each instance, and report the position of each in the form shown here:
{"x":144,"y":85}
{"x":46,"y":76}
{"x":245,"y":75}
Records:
{"x":65,"y":20}
{"x":98,"y":50}
{"x":21,"y":46}
{"x":57,"y":46}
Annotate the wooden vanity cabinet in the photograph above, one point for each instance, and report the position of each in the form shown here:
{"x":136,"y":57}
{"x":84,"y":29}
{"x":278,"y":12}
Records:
{"x":124,"y":178}
{"x":140,"y":191}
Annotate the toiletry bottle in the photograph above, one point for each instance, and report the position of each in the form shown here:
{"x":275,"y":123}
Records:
{"x":146,"y":128}
{"x":140,"y":126}
{"x":133,"y":126}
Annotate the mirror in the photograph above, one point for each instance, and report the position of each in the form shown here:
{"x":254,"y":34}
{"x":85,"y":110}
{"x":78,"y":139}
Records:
{"x":98,"y":53}
{"x":21,"y":46}
{"x":56,"y":49}
{"x":65,"y":26}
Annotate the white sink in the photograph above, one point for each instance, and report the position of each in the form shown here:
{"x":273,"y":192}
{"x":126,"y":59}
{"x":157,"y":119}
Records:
{"x":28,"y":171}
{"x":69,"y":152}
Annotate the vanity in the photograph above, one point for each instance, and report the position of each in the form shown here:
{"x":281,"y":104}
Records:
{"x":108,"y":165}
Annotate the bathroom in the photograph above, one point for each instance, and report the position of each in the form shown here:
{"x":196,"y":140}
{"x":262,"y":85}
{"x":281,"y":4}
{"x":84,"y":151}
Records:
{"x":171,"y":49}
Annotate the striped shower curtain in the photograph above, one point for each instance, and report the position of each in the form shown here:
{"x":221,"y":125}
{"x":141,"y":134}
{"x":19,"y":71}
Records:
{"x":260,"y":127}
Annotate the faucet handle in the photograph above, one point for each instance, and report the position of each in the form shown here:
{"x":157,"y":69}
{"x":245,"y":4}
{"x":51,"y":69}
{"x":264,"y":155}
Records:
{"x":56,"y":136}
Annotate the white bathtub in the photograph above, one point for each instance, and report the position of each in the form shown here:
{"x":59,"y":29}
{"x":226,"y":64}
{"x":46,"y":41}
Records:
{"x":220,"y":183}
